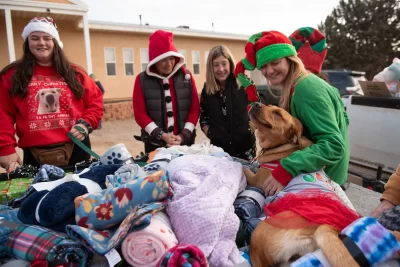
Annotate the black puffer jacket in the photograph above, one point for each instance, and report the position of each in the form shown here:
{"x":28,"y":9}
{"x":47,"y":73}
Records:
{"x":233,"y":134}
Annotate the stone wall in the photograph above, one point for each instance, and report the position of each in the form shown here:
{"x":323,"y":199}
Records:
{"x":118,"y":111}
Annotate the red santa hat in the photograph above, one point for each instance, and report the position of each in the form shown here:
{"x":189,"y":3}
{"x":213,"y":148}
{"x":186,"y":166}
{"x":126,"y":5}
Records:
{"x":42,"y":24}
{"x":161,"y":46}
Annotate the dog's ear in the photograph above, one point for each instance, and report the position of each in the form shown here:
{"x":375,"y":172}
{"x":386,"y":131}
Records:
{"x":37,"y":95}
{"x":296,"y":131}
{"x":252,"y":126}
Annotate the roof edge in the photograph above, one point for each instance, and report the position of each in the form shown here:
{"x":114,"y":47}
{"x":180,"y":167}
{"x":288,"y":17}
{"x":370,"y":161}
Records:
{"x":127,"y":27}
{"x":76,"y":6}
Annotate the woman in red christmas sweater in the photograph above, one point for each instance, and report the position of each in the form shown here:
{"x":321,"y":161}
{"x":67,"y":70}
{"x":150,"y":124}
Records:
{"x":165,"y":99}
{"x":46,"y":97}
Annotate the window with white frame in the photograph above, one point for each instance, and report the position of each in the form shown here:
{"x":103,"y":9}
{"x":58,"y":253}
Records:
{"x":183,"y":52}
{"x":128,"y":61}
{"x":206,"y":56}
{"x":196,"y":62}
{"x":109,"y":55}
{"x":144,"y":58}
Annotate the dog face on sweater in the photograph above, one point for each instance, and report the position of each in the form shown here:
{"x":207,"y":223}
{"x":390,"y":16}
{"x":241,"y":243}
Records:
{"x":49,"y":100}
{"x":274,"y":126}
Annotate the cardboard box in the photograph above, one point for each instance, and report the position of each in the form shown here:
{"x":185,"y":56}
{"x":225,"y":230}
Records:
{"x":377,"y":89}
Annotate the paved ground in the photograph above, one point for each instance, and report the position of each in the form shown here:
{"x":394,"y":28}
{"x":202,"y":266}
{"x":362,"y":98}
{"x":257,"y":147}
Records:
{"x":114,"y":132}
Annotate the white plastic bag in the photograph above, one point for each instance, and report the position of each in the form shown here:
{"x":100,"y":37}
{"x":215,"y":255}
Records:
{"x":390,"y":75}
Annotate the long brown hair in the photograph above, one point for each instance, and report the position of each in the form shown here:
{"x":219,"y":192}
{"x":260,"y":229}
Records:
{"x":211,"y":83}
{"x":24,"y":71}
{"x":296,"y":71}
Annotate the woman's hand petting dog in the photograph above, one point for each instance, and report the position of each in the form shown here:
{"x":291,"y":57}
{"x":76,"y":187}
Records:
{"x":383,"y":206}
{"x":272,"y":186}
{"x":75,"y":132}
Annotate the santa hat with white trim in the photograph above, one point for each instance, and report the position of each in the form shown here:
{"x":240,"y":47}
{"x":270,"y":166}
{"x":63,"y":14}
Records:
{"x":161,"y":46}
{"x":42,"y":24}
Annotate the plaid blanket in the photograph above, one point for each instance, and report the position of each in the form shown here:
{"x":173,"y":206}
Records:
{"x":37,"y":243}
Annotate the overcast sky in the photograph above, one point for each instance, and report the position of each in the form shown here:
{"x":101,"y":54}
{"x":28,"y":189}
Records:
{"x":233,"y":16}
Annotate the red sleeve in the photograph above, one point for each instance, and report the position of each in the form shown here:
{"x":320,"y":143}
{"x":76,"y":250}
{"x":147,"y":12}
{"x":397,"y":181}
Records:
{"x":194,"y":112}
{"x":282,"y":175}
{"x":92,"y":102}
{"x":139,"y":107}
{"x":7,"y":117}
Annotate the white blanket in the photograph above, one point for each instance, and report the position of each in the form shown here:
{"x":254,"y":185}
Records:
{"x":201,"y":210}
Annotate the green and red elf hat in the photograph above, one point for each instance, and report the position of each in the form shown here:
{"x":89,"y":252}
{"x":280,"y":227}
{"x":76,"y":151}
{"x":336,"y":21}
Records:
{"x":311,"y":47}
{"x":261,"y":48}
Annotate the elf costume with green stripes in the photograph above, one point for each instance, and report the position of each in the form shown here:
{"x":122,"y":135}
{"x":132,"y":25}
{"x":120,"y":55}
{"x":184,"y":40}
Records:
{"x":314,"y":102}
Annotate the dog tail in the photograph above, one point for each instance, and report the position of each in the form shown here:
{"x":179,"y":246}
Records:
{"x":333,"y":248}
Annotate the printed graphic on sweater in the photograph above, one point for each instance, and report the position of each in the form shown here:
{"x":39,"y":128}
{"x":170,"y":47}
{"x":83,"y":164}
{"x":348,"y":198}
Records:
{"x":49,"y":103}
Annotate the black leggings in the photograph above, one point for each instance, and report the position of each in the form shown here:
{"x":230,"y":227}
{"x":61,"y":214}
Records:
{"x":78,"y":155}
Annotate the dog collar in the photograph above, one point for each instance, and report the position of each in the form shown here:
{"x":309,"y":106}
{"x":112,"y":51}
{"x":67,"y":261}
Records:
{"x":354,"y":251}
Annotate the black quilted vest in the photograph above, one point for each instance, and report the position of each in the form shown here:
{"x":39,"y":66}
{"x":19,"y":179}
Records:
{"x":155,"y":100}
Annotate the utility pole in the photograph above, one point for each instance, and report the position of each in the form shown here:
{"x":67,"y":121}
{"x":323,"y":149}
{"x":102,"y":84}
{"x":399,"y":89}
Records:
{"x":140,"y":18}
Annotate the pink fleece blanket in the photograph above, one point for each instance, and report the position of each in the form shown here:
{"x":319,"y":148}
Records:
{"x":146,"y":247}
{"x":201,"y":210}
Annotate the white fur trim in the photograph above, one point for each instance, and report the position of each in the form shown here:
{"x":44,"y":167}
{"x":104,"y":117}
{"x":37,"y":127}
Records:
{"x":150,"y":127}
{"x":178,"y":64}
{"x":189,"y":126}
{"x":41,"y":26}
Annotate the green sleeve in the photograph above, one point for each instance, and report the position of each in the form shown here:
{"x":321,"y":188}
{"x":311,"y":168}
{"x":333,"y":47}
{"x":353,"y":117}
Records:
{"x":320,"y":121}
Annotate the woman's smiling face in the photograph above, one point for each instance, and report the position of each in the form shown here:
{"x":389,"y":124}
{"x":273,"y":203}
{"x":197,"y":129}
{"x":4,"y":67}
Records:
{"x":276,"y":71}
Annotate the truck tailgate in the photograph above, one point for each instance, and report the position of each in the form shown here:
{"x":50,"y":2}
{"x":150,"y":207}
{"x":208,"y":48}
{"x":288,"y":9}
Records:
{"x":374,"y":131}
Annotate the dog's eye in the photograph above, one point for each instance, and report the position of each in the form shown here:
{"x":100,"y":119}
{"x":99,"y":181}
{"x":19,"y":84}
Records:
{"x":41,"y":93}
{"x":53,"y":92}
{"x":278,"y":113}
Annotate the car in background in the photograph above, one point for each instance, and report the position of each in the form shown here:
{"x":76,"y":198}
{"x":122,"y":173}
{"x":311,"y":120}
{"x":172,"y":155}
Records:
{"x":346,"y":81}
{"x":268,"y":96}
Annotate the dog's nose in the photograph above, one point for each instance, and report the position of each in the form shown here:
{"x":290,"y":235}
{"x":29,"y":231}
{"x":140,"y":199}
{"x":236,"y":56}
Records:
{"x":257,"y":105}
{"x":50,"y":99}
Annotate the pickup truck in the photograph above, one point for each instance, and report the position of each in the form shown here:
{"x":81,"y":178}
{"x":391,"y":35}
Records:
{"x":374,"y":137}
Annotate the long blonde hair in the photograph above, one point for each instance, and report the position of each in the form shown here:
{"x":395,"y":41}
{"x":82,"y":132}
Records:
{"x":211,"y":83}
{"x":296,"y":72}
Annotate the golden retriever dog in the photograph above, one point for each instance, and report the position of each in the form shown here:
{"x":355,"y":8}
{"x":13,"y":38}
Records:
{"x":279,"y":134}
{"x":49,"y":100}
